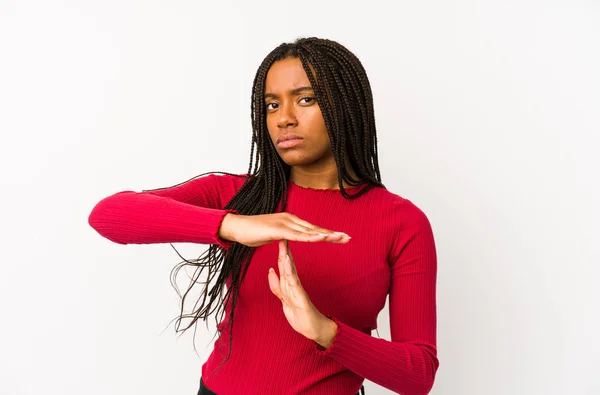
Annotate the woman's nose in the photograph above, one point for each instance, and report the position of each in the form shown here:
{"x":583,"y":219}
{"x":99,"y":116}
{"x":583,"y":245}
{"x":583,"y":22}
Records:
{"x":287,"y":116}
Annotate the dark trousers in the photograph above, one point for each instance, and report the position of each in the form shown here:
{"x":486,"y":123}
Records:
{"x":205,"y":391}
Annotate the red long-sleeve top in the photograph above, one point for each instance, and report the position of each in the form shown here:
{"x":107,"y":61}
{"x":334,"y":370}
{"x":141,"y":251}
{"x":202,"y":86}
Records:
{"x":392,"y":252}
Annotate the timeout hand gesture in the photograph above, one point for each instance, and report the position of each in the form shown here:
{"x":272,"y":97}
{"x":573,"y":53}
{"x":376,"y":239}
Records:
{"x":257,"y":230}
{"x":301,"y":314}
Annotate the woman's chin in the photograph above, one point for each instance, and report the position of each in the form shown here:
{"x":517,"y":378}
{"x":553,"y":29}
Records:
{"x":303,"y":158}
{"x":295,"y":159}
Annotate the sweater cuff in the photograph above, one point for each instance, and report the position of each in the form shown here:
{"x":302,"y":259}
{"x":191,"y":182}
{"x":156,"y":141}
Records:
{"x":325,"y":351}
{"x":225,"y":244}
{"x":347,"y":341}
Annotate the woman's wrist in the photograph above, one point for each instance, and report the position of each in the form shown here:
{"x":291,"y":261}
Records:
{"x":327,"y":333}
{"x":225,"y":230}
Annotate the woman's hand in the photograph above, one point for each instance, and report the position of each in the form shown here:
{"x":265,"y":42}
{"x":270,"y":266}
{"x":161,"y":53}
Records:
{"x":257,"y":230}
{"x":301,"y":314}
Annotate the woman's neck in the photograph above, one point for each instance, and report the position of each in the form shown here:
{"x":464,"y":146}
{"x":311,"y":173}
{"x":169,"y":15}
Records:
{"x":319,"y":177}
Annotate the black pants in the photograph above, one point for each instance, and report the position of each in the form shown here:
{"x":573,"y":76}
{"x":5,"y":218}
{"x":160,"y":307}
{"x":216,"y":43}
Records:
{"x":205,"y":391}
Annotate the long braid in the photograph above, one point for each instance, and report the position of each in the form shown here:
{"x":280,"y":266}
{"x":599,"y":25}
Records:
{"x":368,"y":113}
{"x":359,"y":82}
{"x":345,"y":99}
{"x":327,"y":95}
{"x":361,"y":133}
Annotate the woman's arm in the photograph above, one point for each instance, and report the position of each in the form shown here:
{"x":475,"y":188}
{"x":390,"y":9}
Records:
{"x":408,"y":363}
{"x":189,"y":212}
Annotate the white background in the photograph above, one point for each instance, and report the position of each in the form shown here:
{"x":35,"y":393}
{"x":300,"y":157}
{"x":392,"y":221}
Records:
{"x":488,"y":119}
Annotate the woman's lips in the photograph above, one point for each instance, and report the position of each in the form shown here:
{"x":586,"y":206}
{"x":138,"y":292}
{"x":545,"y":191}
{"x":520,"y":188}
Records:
{"x":289,"y":143}
{"x":288,"y":140}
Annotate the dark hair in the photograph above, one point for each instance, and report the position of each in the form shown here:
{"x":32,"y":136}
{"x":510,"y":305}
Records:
{"x":344,"y":96}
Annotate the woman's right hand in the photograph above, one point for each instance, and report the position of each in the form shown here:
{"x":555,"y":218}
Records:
{"x":257,"y":230}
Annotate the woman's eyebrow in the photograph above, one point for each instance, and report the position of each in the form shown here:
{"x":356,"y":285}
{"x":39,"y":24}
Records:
{"x":293,"y":91}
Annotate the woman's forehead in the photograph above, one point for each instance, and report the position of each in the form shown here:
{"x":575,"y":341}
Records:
{"x":286,"y":76}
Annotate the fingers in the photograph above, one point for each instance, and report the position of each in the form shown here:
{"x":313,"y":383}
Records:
{"x":291,"y":275}
{"x":287,"y":270}
{"x":303,"y":228}
{"x":278,"y":283}
{"x":287,"y":286}
{"x":299,"y":230}
{"x":337,"y":237}
{"x":303,"y":223}
{"x":308,"y":227}
{"x":297,"y":235}
{"x":274,"y":283}
{"x":282,"y":288}
{"x":281,"y":258}
{"x":289,"y":259}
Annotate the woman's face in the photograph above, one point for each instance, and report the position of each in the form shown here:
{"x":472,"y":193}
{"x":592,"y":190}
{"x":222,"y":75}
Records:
{"x":294,"y":119}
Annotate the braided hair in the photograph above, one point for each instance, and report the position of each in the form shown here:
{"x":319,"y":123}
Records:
{"x":344,"y":96}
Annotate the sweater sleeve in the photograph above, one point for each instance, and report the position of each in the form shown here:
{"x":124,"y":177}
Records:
{"x":190,"y":212}
{"x":408,"y":363}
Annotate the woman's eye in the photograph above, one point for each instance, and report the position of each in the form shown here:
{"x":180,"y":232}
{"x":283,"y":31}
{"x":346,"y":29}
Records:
{"x":269,"y":104}
{"x":310,"y":99}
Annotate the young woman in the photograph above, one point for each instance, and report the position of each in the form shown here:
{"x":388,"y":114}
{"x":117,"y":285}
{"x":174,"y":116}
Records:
{"x":308,"y":243}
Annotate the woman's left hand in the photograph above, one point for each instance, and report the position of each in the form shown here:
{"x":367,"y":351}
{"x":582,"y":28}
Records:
{"x":302,"y":315}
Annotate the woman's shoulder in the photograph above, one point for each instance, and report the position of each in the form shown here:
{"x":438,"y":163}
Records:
{"x":401,"y":209}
